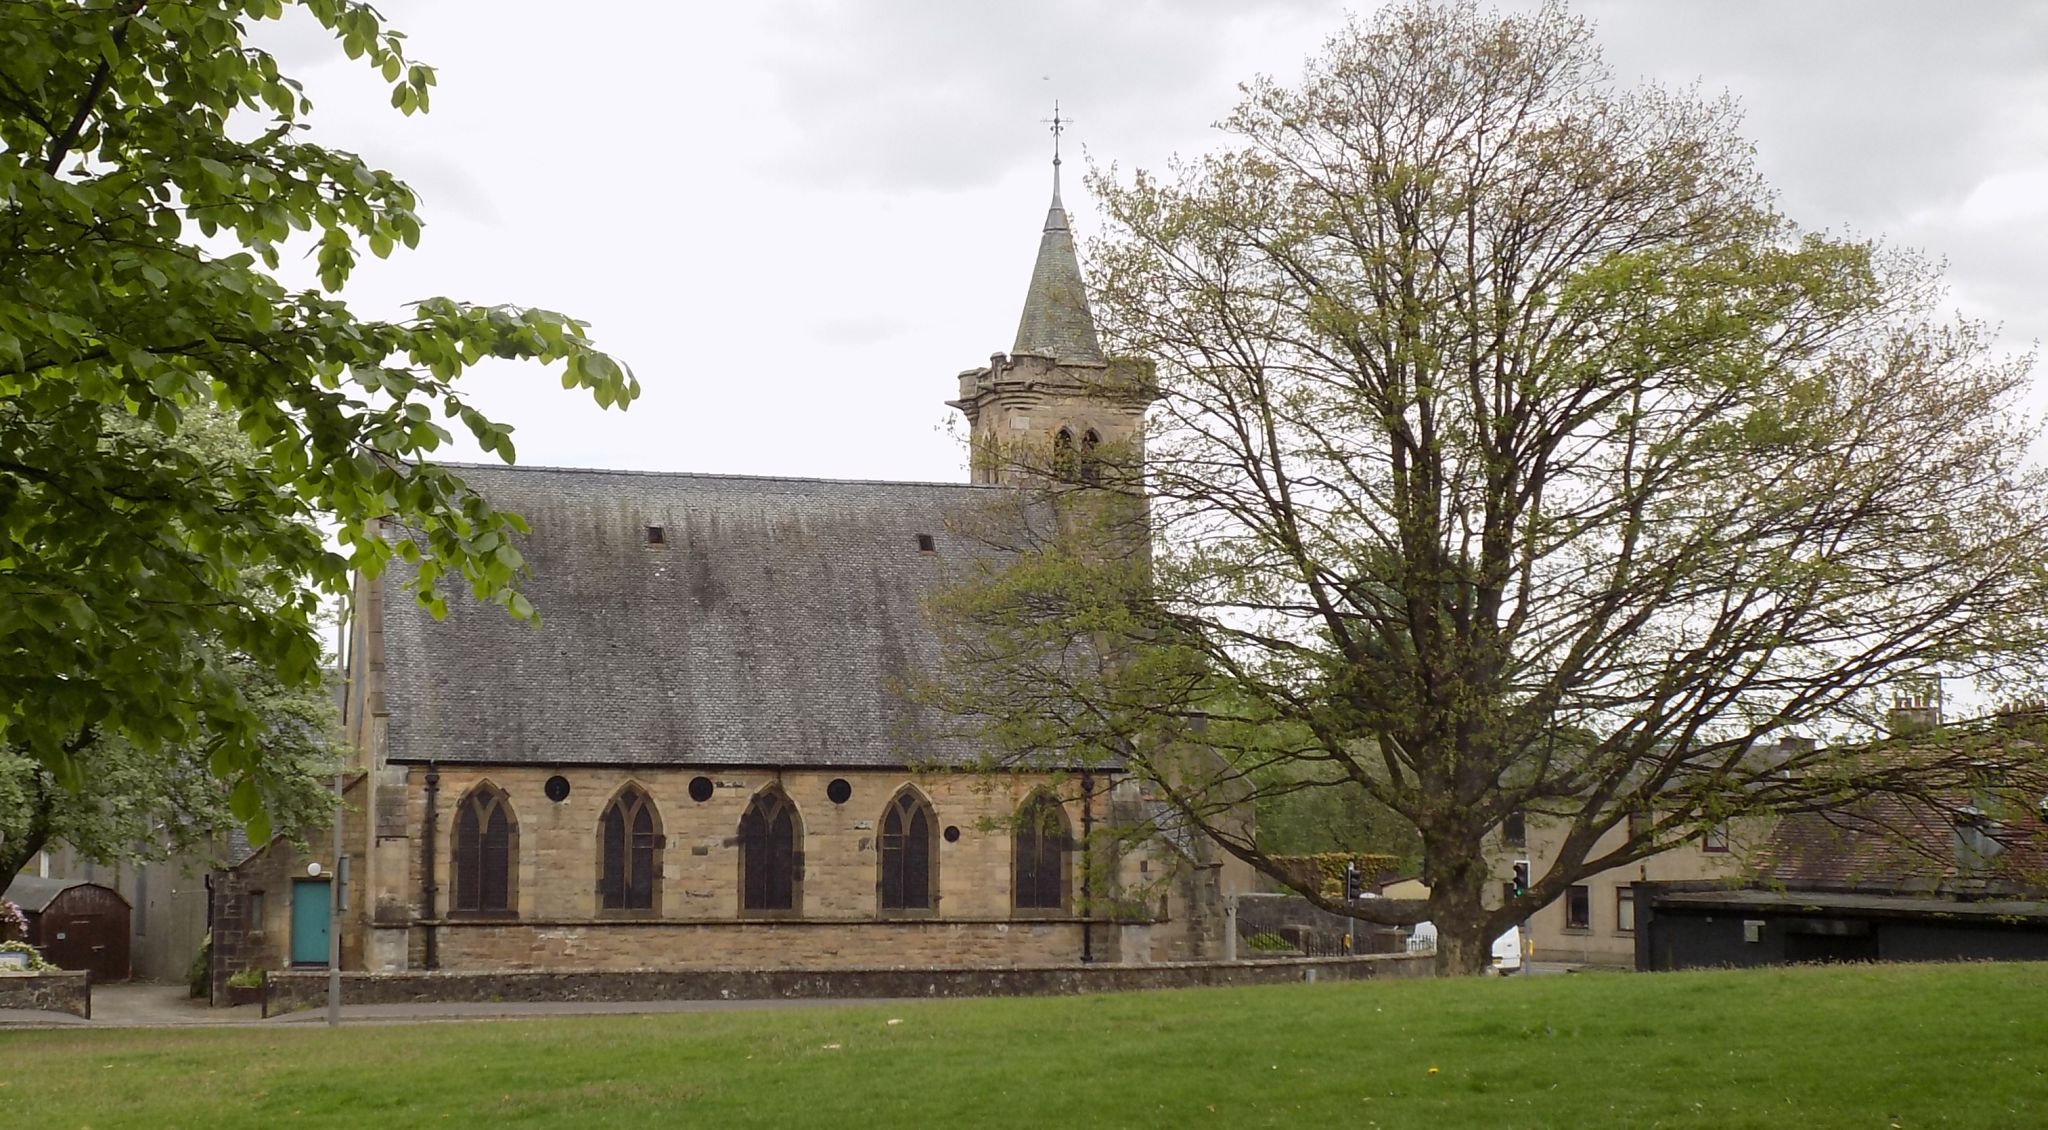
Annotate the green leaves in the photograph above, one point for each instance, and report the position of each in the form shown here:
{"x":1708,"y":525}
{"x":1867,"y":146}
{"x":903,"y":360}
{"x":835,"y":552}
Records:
{"x":112,"y":800}
{"x":174,"y":424}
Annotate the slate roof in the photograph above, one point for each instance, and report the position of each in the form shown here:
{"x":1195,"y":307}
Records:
{"x":776,"y":626}
{"x":238,"y":850}
{"x":1886,"y":843}
{"x":1057,"y":322}
{"x":1909,"y":842}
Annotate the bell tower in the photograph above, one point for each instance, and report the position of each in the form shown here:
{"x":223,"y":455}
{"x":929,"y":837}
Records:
{"x":1054,"y":404}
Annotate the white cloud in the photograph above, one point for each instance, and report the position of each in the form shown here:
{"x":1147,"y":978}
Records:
{"x":2005,"y":198}
{"x":798,"y":221}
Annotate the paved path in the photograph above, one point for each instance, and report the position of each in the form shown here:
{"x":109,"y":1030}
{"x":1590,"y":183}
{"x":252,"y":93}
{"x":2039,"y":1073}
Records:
{"x":168,"y":1006}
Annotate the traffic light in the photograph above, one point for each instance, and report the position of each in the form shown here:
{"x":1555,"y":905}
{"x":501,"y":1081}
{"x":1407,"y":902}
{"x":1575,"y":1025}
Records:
{"x":1351,"y":891}
{"x":1521,"y":886}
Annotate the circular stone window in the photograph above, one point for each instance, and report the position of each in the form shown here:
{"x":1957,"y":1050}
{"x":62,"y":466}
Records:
{"x":838,"y":790}
{"x":952,"y":833}
{"x":700,"y":789}
{"x":557,"y":788}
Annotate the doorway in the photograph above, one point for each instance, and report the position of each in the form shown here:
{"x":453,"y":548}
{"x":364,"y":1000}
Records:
{"x":94,"y":942}
{"x":311,"y":919}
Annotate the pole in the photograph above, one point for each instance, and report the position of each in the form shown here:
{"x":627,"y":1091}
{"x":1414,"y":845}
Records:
{"x":1087,"y":867}
{"x":1350,"y":901}
{"x":334,"y":918}
{"x":429,"y":888}
{"x":334,"y":880}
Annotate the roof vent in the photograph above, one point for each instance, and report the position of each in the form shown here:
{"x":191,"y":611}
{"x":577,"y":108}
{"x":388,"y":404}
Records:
{"x":925,"y":544}
{"x":656,"y":536}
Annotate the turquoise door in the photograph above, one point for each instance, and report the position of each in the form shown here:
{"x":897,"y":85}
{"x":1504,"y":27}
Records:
{"x":309,"y":922}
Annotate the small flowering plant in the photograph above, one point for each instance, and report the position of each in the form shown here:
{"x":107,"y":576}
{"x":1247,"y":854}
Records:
{"x":13,"y":923}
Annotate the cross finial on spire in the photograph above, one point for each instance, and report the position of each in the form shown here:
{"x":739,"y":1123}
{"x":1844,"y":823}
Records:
{"x":1059,"y":126}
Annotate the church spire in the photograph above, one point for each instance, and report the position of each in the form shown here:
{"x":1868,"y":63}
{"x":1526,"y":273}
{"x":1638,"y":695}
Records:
{"x":1057,"y":323}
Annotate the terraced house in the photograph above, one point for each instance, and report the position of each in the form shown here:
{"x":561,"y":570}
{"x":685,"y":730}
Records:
{"x":704,"y":756}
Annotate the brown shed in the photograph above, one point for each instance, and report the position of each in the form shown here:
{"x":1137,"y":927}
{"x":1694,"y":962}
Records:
{"x":76,"y":924}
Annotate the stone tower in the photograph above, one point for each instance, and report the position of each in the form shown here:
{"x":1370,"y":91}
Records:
{"x":1055,"y":403}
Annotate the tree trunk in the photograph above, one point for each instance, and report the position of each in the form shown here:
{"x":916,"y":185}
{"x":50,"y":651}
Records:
{"x":1463,"y":952}
{"x":15,"y":853}
{"x":1458,"y":910}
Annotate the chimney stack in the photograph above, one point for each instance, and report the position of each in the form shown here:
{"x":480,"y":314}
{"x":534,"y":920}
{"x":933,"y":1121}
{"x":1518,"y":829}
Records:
{"x":1916,"y":708}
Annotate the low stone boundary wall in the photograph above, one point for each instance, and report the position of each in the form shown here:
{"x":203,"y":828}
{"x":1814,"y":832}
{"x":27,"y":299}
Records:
{"x":64,"y":990}
{"x":296,"y":989}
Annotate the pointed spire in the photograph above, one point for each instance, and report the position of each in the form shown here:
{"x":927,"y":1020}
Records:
{"x":1057,"y":322}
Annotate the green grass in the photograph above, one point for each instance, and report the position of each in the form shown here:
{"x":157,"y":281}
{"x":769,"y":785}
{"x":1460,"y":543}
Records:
{"x":1905,"y":1046}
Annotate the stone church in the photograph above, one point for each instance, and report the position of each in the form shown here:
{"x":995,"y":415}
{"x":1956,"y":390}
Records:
{"x":703,"y":756}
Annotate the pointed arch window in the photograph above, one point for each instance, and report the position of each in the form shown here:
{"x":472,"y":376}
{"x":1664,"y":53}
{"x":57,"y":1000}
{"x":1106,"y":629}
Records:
{"x":1091,"y":459}
{"x":1039,"y":847}
{"x":909,"y":880}
{"x":629,"y":845}
{"x":485,"y":848}
{"x":771,"y":855}
{"x":1063,"y":458}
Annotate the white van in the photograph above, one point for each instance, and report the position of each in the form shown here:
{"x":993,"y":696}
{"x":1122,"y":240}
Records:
{"x":1507,"y":949}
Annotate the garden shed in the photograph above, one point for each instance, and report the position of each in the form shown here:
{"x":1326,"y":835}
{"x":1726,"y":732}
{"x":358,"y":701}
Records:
{"x":76,"y":923}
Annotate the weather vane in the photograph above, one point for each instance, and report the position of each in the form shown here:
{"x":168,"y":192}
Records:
{"x":1059,"y":126}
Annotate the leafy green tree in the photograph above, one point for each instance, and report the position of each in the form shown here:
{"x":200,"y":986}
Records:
{"x":135,"y":803}
{"x":153,"y":169}
{"x":1514,"y":455}
{"x":152,"y":804}
{"x":1303,"y":811}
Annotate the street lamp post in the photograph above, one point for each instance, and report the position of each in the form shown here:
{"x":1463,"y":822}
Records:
{"x":335,"y":905}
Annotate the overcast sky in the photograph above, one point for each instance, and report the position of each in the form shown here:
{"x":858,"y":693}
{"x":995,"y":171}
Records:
{"x":798,"y":221}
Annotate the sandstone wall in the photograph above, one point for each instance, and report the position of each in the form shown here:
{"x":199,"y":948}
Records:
{"x":557,"y":871}
{"x":810,"y":944}
{"x":557,"y":918}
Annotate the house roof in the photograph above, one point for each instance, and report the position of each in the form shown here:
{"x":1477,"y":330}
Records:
{"x":35,"y":894}
{"x":777,"y":624}
{"x":1892,"y":844}
{"x":1907,"y":839}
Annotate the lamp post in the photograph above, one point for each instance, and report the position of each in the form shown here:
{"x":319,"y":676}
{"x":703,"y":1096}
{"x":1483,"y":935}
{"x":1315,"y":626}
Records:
{"x":337,"y":901}
{"x":335,"y":905}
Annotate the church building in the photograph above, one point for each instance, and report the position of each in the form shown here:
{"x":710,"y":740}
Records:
{"x":704,"y":756}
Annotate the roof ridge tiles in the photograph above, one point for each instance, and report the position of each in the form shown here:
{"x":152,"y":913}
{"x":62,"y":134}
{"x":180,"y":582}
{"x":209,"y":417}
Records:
{"x":708,"y":475}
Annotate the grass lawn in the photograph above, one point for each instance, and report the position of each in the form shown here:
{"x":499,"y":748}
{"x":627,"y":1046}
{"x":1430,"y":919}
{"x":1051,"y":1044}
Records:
{"x":1904,"y":1046}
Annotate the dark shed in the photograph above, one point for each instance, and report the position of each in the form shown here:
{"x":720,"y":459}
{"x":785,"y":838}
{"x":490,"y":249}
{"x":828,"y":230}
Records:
{"x":76,"y":924}
{"x":1681,"y":928}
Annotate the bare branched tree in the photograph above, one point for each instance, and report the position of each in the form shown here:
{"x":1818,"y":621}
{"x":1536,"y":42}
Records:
{"x":1512,"y":455}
